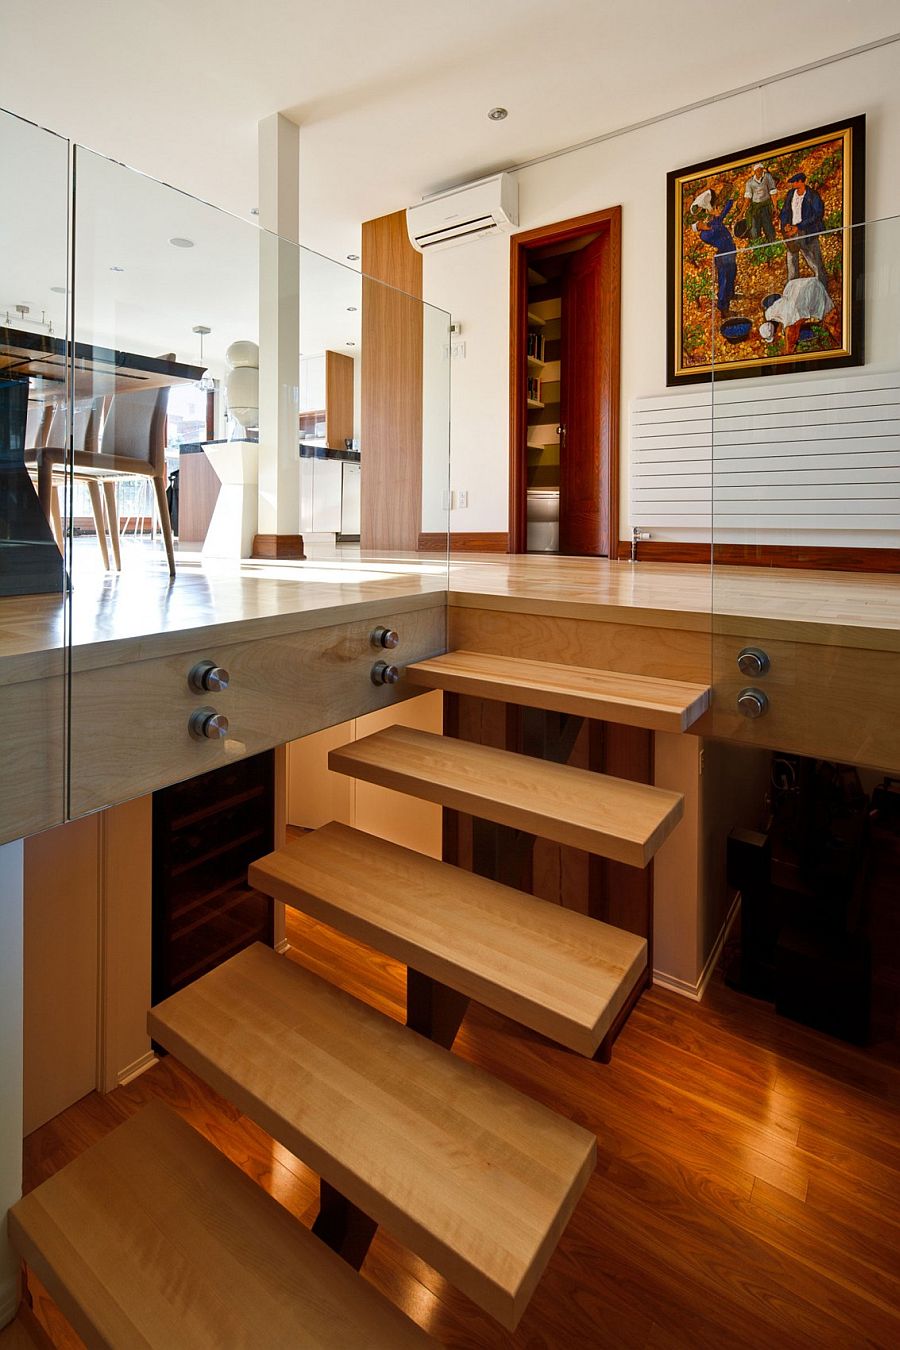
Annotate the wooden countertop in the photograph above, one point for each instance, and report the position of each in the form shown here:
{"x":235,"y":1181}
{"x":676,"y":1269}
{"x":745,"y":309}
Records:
{"x":141,"y":614}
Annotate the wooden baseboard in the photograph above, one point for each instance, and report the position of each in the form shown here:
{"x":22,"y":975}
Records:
{"x":278,"y":546}
{"x":460,"y":542}
{"x":814,"y":557}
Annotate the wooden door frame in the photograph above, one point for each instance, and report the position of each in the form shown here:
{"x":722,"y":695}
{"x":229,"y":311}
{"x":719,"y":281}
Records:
{"x":608,"y":221}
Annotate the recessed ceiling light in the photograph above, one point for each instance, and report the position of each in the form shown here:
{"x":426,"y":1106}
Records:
{"x":58,"y":290}
{"x":350,"y":344}
{"x":351,"y":309}
{"x":178,"y":242}
{"x":254,"y":210}
{"x":117,"y":269}
{"x":353,"y":257}
{"x":498,"y":114}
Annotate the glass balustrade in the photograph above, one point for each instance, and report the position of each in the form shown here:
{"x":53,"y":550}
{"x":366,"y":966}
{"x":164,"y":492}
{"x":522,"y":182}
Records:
{"x":247,"y":431}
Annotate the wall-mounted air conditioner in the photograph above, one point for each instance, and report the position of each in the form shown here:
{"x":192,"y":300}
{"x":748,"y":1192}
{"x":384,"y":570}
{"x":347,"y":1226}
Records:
{"x":490,"y":206}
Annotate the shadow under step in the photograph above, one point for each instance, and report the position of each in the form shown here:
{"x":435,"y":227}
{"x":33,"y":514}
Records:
{"x":474,"y":1177}
{"x":612,"y":817}
{"x":558,"y":972}
{"x":152,"y":1238}
{"x":25,"y":1333}
{"x":608,"y":695}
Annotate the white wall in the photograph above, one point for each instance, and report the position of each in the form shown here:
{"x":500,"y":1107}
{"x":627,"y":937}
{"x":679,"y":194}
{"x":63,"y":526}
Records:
{"x":472,"y":280}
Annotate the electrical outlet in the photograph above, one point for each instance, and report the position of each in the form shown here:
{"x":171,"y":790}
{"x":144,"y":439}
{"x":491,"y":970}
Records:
{"x":462,"y":500}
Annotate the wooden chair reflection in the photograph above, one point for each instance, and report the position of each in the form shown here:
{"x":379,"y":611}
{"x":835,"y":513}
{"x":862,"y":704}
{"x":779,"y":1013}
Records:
{"x":86,"y":422}
{"x":132,"y":444}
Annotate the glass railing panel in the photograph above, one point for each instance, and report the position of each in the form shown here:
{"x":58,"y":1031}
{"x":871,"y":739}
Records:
{"x":286,"y":416}
{"x":34,"y":487}
{"x":805,"y":487}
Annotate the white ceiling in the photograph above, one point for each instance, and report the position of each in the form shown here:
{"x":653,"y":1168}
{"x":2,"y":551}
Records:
{"x":392,"y":96}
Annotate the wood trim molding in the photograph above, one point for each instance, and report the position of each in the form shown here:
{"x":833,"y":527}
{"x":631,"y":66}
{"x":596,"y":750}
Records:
{"x":465,"y":542}
{"x":278,"y":546}
{"x":813,"y":557}
{"x":608,"y":221}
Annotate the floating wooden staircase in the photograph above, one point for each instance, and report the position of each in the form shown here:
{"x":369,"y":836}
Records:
{"x":558,"y":972}
{"x":152,"y":1239}
{"x":477,"y":1179}
{"x":632,"y":700}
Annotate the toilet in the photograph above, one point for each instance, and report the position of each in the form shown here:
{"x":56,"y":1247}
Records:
{"x":543,"y":520}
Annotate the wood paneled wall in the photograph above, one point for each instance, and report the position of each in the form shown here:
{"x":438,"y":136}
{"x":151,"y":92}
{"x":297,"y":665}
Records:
{"x":391,"y":414}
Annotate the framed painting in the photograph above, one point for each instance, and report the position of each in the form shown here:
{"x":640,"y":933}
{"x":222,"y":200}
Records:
{"x":764,"y":274}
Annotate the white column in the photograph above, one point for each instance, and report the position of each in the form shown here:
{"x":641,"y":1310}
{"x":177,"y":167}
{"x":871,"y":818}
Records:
{"x":279,"y":326}
{"x":11,"y":1061}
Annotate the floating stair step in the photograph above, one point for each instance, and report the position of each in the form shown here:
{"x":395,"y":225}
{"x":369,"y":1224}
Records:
{"x":558,"y":972}
{"x":477,"y":1179}
{"x":632,"y":700}
{"x":612,"y":817}
{"x":151,"y":1238}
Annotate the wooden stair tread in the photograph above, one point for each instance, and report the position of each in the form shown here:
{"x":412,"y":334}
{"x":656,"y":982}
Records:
{"x":474,"y":1177}
{"x":612,"y":817}
{"x":632,"y":700}
{"x":151,"y":1238}
{"x":558,"y":972}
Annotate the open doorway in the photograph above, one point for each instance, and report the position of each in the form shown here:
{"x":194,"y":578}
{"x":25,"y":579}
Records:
{"x":564,"y":386}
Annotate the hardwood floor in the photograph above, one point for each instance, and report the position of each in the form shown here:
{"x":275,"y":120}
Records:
{"x":746,"y":1192}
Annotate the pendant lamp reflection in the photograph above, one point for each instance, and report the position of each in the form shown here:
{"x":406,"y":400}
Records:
{"x":206,"y":383}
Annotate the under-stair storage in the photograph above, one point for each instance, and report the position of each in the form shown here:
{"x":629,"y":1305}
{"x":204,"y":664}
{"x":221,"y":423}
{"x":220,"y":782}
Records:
{"x":152,"y":1240}
{"x":477,"y":1179}
{"x":558,"y":972}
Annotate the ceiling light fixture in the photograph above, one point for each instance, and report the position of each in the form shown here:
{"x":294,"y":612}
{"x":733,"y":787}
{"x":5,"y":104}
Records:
{"x":350,"y":344}
{"x":353,"y":257}
{"x":206,"y":383}
{"x":117,"y":269}
{"x":58,"y":290}
{"x":351,"y":309}
{"x":498,"y":114}
{"x":178,"y":242}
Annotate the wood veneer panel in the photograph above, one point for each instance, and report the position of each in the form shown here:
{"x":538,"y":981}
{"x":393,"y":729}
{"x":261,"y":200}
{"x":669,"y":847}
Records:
{"x":152,"y":1239}
{"x":477,"y":1179}
{"x":633,"y":700}
{"x":339,"y":376}
{"x":198,"y":491}
{"x":391,"y":373}
{"x":607,"y":816}
{"x":560,"y":973}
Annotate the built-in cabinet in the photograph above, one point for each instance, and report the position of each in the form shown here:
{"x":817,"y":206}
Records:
{"x":326,"y":399}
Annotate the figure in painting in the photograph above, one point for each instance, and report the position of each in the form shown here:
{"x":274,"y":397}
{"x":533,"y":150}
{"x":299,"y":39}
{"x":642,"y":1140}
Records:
{"x":802,"y":218}
{"x":716,"y":233}
{"x":804,"y":300}
{"x":759,"y":194}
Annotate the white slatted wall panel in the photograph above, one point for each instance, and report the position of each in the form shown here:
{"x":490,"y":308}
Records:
{"x":819,"y":454}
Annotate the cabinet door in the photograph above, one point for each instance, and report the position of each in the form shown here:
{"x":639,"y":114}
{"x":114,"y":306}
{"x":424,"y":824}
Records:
{"x":350,"y":514}
{"x":327,"y":496}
